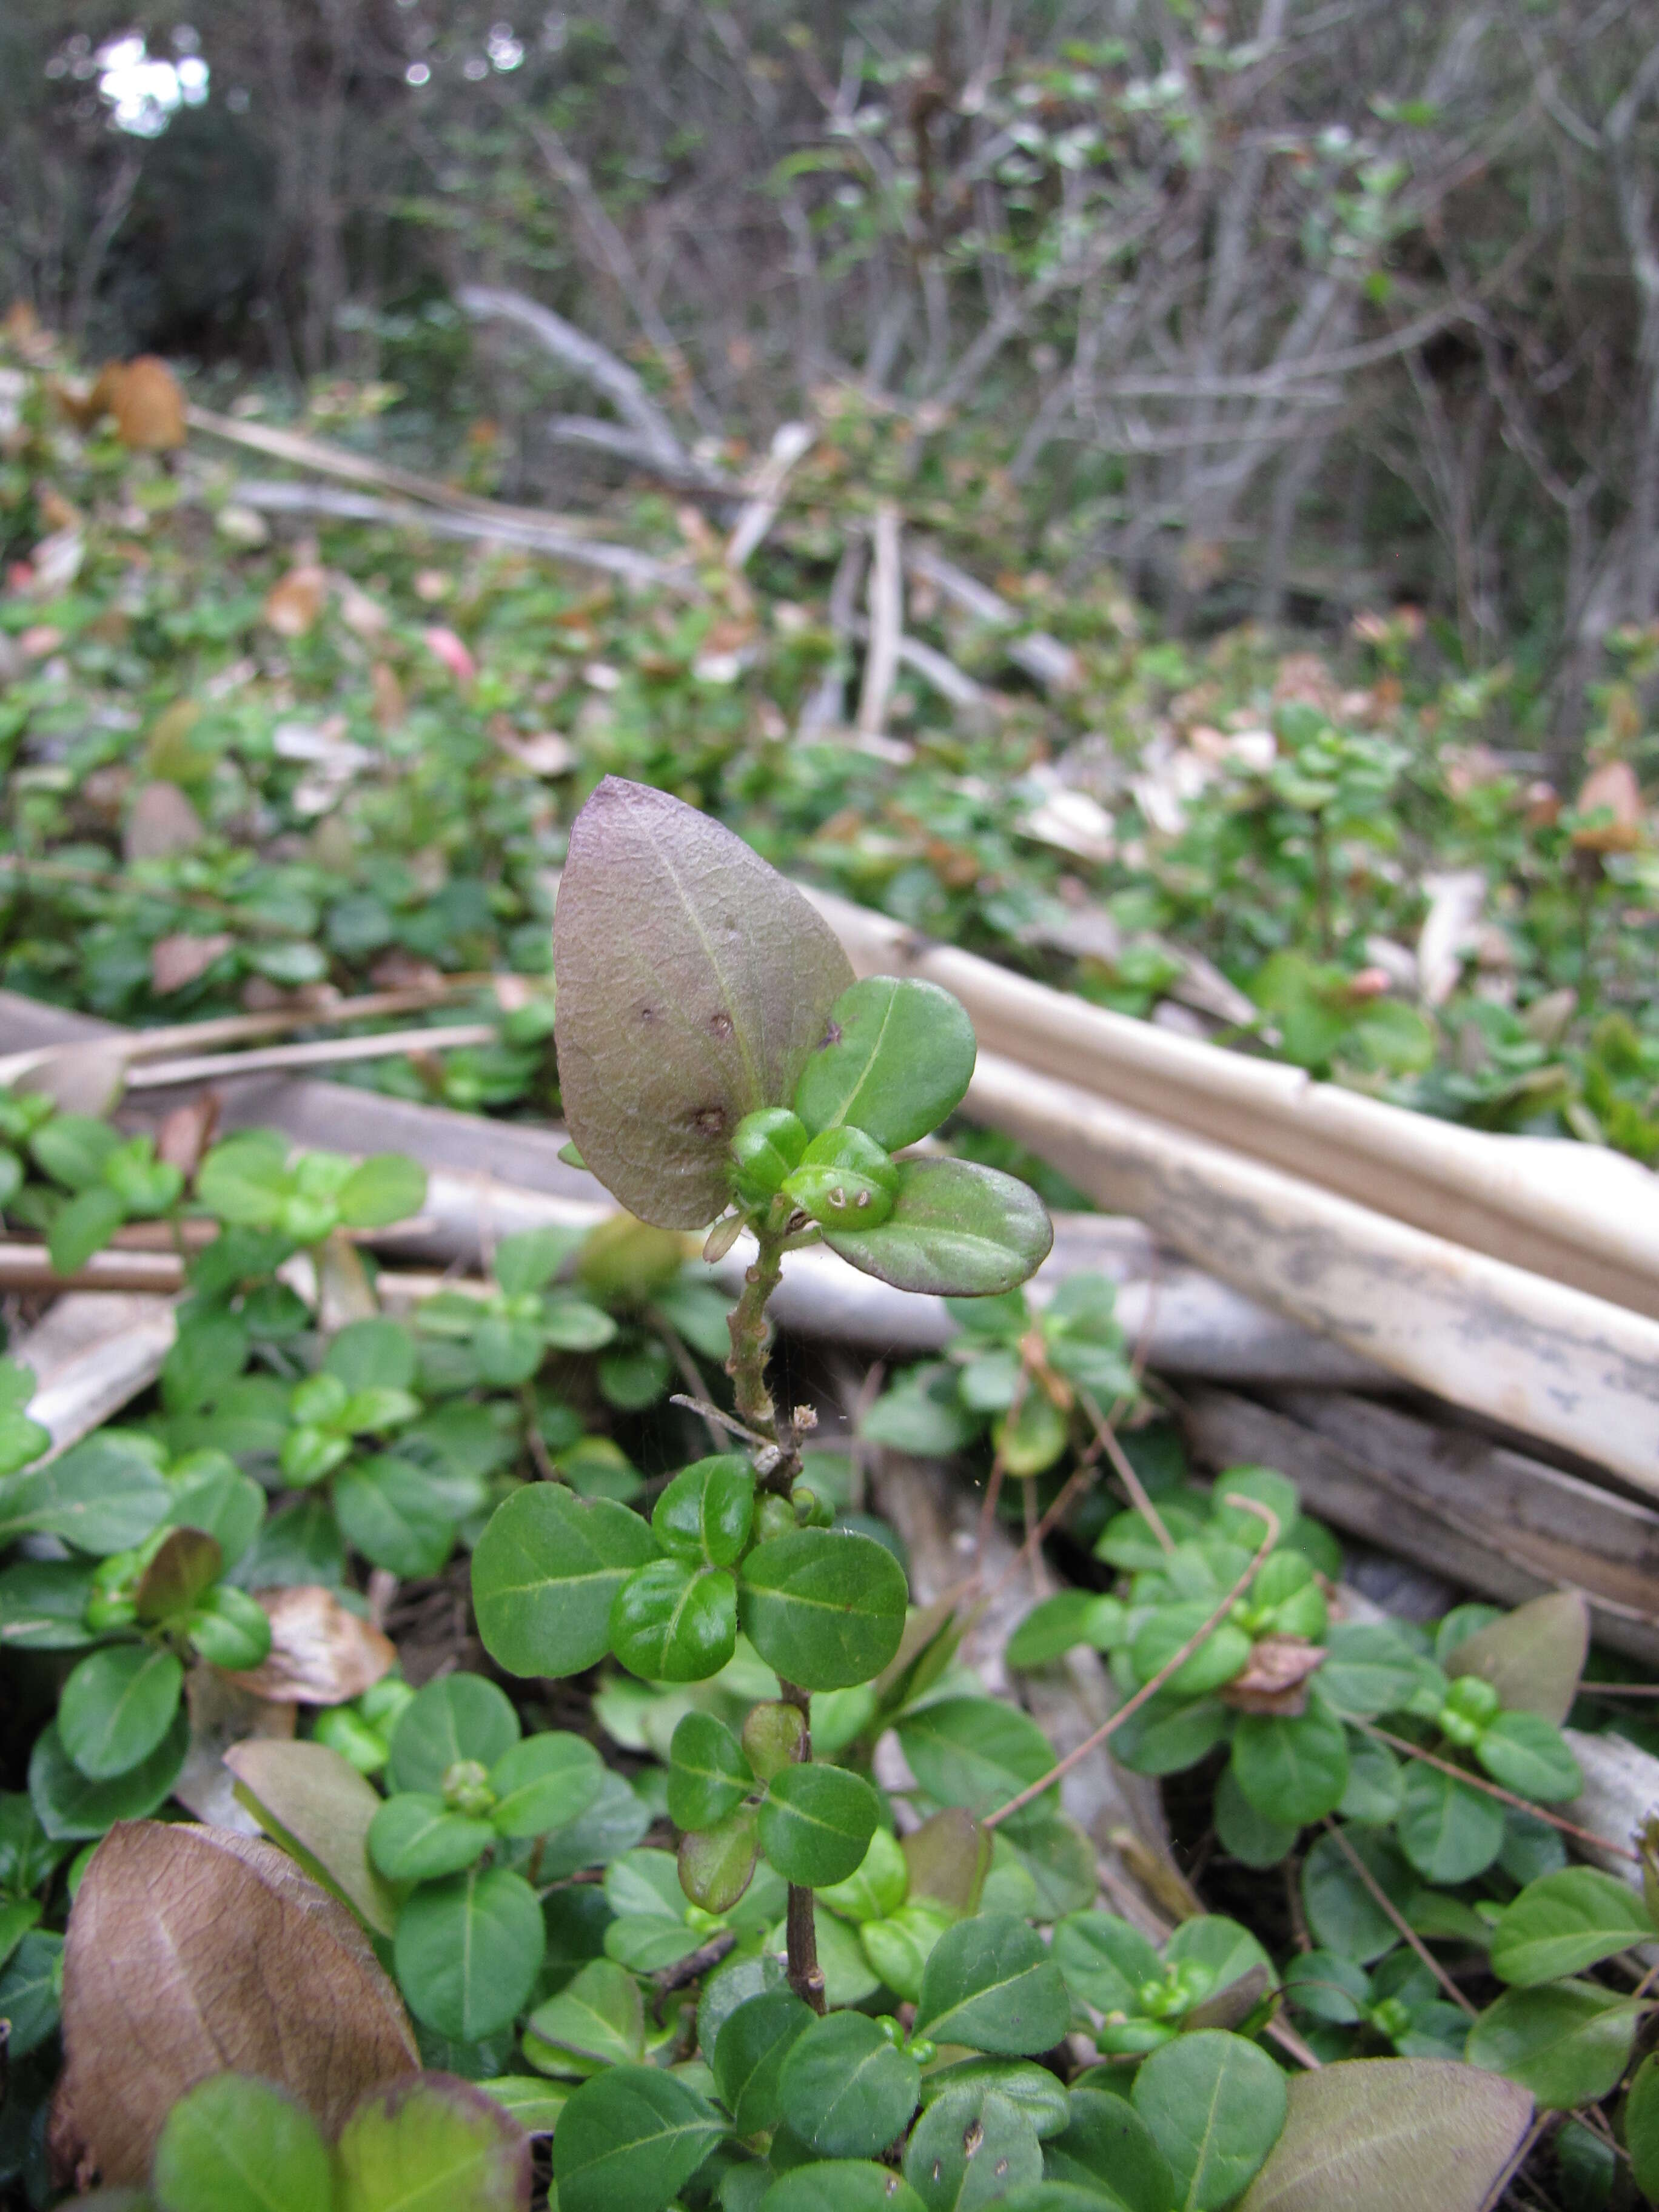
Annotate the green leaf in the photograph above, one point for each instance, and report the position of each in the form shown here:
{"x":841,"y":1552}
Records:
{"x":529,"y":1261}
{"x":1341,"y":1911}
{"x":709,"y":1776}
{"x":1040,"y":2094}
{"x":429,"y":2142}
{"x":544,"y":1783}
{"x":816,"y":1823}
{"x":597,"y":2020}
{"x":921,"y":1413}
{"x":1106,"y":2144}
{"x":233,"y":2144}
{"x":842,"y":2186}
{"x":468,"y":1951}
{"x":72,"y":1149}
{"x":749,"y":2054}
{"x":544,"y":1574}
{"x":458,"y":1717}
{"x":877,"y":1886}
{"x":1382,"y":2135}
{"x":1061,"y":1623}
{"x":534,"y":2104}
{"x":29,"y":1988}
{"x":956,"y":1229}
{"x":117,"y":1706}
{"x":1223,"y":1654}
{"x":1563,"y":1923}
{"x":845,"y":2090}
{"x":387,"y":1187}
{"x":82,"y":1225}
{"x":955,"y":2161}
{"x":613,"y":1824}
{"x":43,"y":1604}
{"x":672,"y":1622}
{"x":990,"y":1983}
{"x":211,"y":1493}
{"x":1246,"y":1834}
{"x":705,"y":1512}
{"x":717,"y":1864}
{"x":1525,"y":1753}
{"x":1211,"y":1940}
{"x":1215,"y":2105}
{"x":1376,"y":1786}
{"x":1104,"y":1960}
{"x":1448,"y":1832}
{"x":72,"y":1807}
{"x":694,"y":981}
{"x":895,"y":1059}
{"x":415,"y":1838}
{"x":180,"y":1576}
{"x":102,"y":1496}
{"x":630,"y":2138}
{"x":1641,"y":2128}
{"x":1568,"y":2042}
{"x":1370,"y":1668}
{"x":1292,"y":1769}
{"x":823,"y":1607}
{"x":373,"y":1354}
{"x":974,"y":1752}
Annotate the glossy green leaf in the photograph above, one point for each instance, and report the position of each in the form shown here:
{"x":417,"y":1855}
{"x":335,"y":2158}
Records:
{"x":534,"y":2104}
{"x":1568,"y":2042}
{"x":709,"y":1776}
{"x":233,"y":2144}
{"x":694,"y":981}
{"x":1641,"y":2128}
{"x":1389,"y":2135}
{"x":749,"y":2054}
{"x":1341,"y":1911}
{"x":544,"y":1783}
{"x":1245,"y":1833}
{"x":823,"y":1607}
{"x":457,"y":1716}
{"x":1292,"y":1770}
{"x":1106,"y":2144}
{"x":877,"y":1886}
{"x":1327,"y":1987}
{"x":597,"y":2020}
{"x":428,"y":2142}
{"x":416,"y":1838}
{"x":1223,"y":1654}
{"x":975,"y":1752}
{"x":544,"y":1575}
{"x":393,"y":1513}
{"x":1215,"y":2105}
{"x":43,"y":1604}
{"x":1448,"y":1832}
{"x":1103,"y":1959}
{"x":468,"y":1951}
{"x":672,"y":1622}
{"x":628,"y":2139}
{"x":717,"y":1864}
{"x":1525,"y":1753}
{"x":1370,"y":1668}
{"x":29,"y":1986}
{"x":704,"y":1513}
{"x":385,"y":1189}
{"x":1040,"y":2094}
{"x":845,"y":2090}
{"x":954,"y":2162}
{"x":895,"y":1059}
{"x":1563,"y":1923}
{"x":1059,"y":1624}
{"x":816,"y":1822}
{"x":956,"y":1229}
{"x":990,"y":1983}
{"x":117,"y":1706}
{"x":946,"y":1860}
{"x":841,"y":2186}
{"x":82,"y":1225}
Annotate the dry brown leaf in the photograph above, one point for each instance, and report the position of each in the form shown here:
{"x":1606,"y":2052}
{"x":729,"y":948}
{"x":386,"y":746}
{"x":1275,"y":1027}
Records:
{"x":81,"y":1078}
{"x":294,"y":601}
{"x":144,"y":397}
{"x":180,"y":959}
{"x":221,"y":1715}
{"x":1275,"y":1680}
{"x":388,"y":695}
{"x":186,"y":1134}
{"x":191,"y":1950}
{"x":398,"y":971}
{"x":321,"y":1654}
{"x":1610,"y":789}
{"x":162,"y":821}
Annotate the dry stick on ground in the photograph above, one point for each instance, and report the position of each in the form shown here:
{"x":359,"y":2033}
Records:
{"x":1176,"y":1661}
{"x":326,"y":1052}
{"x":1491,"y":1789}
{"x":1125,"y":1472}
{"x":1385,"y":1904}
{"x":886,"y":625}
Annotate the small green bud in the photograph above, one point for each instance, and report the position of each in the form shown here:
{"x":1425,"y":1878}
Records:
{"x":923,"y":2051}
{"x":765,"y":1147}
{"x":319,"y":1401}
{"x":1475,"y":1699}
{"x":109,"y":1609}
{"x":774,"y":1516}
{"x":346,"y":1732}
{"x":1390,"y":2018}
{"x":1457,"y":1727}
{"x":845,"y":1181}
{"x":810,"y":1510}
{"x":466,"y":1788}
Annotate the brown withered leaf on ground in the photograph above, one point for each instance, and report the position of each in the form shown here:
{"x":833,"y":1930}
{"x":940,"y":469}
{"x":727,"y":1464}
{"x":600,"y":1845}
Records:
{"x":221,"y":1716}
{"x":1276,"y":1678}
{"x":321,"y":1654}
{"x":144,"y":397}
{"x":190,"y":1951}
{"x":180,"y":959}
{"x":1610,"y":789}
{"x":162,"y":821}
{"x":186,"y":1134}
{"x":294,"y":601}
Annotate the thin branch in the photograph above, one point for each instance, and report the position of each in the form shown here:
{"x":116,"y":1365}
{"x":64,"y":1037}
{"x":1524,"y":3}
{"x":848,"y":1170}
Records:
{"x":1504,"y":1796}
{"x":1385,"y":1904}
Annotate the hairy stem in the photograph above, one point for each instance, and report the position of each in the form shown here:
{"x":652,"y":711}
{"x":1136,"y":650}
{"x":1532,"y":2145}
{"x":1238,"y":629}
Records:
{"x":747,"y":1368}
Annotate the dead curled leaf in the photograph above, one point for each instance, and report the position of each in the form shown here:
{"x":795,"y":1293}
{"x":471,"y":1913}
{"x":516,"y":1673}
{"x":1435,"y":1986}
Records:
{"x":221,"y":1716}
{"x":294,"y":601}
{"x":320,"y":1653}
{"x":190,"y":1951}
{"x":1275,"y":1679}
{"x":162,"y":821}
{"x":144,"y":397}
{"x":1610,"y":789}
{"x":180,"y":959}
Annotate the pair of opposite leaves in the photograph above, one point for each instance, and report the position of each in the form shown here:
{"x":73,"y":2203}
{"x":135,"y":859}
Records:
{"x":695,"y":986}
